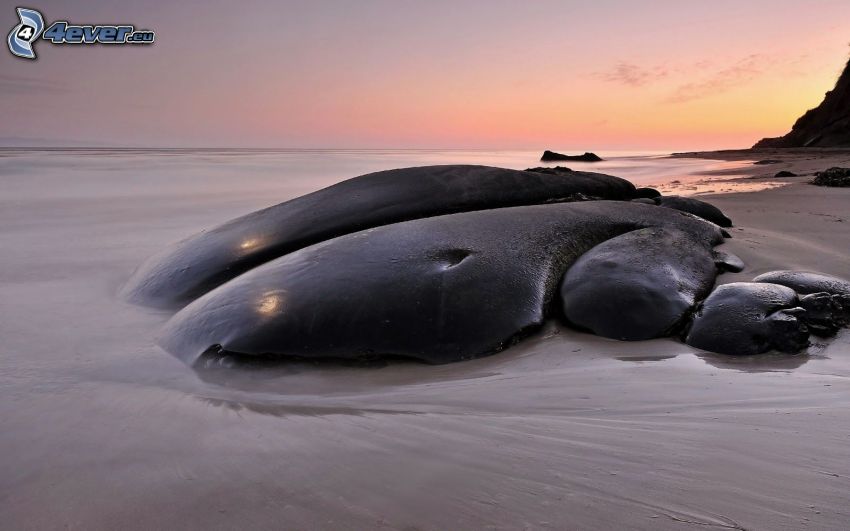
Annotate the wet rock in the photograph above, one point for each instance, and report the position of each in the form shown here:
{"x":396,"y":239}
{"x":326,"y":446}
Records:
{"x":839,"y":177}
{"x":696,"y":207}
{"x":826,"y":298}
{"x":557,"y":170}
{"x":806,"y":282}
{"x":444,"y":288}
{"x":744,"y":318}
{"x":639,"y":285}
{"x":194,"y":266}
{"x":649,"y":193}
{"x":551,"y":156}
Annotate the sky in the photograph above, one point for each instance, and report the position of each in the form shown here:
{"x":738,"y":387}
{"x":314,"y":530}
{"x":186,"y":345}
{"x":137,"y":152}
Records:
{"x":590,"y":75}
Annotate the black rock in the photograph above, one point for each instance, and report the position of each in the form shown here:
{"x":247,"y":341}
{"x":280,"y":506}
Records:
{"x":557,"y":170}
{"x":833,"y":177}
{"x":201,"y":262}
{"x":649,"y":193}
{"x":629,"y":277}
{"x":825,"y":298}
{"x":549,"y":156}
{"x":806,"y":282}
{"x":452,"y":287}
{"x":744,"y":318}
{"x":785,"y":173}
{"x":696,"y":207}
{"x":768,"y":161}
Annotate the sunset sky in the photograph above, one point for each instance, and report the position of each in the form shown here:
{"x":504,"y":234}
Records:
{"x":428,"y":74}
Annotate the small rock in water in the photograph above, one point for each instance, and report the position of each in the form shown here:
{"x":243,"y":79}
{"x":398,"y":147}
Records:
{"x":587,"y":157}
{"x":785,"y":173}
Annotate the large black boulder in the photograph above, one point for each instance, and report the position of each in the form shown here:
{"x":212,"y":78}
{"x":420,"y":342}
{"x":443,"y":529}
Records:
{"x":744,"y":318}
{"x":190,"y":268}
{"x":439,"y":289}
{"x":626,"y":288}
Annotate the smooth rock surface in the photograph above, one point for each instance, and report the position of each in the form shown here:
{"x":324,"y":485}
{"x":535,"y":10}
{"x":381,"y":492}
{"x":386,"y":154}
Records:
{"x":190,"y":268}
{"x":439,"y":289}
{"x":806,"y":282}
{"x":744,"y":318}
{"x":696,"y":207}
{"x":639,"y":285}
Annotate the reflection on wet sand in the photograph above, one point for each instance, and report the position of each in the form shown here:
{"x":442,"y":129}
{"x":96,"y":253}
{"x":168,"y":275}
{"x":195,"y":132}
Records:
{"x":769,"y":362}
{"x":291,"y":410}
{"x":554,"y":345}
{"x":297,"y":375}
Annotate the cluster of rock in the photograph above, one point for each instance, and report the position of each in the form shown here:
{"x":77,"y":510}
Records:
{"x":446,"y":263}
{"x":833,"y":177}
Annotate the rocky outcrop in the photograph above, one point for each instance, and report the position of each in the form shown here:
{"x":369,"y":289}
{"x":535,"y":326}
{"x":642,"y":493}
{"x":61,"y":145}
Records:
{"x":827,"y":125}
{"x":551,"y":156}
{"x":833,"y":177}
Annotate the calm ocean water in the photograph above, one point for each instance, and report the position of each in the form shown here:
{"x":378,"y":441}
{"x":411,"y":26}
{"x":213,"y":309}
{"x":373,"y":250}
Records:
{"x":282,"y":174}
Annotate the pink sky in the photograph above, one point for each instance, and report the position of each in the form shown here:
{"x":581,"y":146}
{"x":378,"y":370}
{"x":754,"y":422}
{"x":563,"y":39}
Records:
{"x":389,"y":74}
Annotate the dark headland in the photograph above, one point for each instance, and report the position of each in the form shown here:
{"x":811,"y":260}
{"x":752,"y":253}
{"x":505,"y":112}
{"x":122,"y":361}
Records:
{"x":816,"y":150}
{"x":827,"y":125}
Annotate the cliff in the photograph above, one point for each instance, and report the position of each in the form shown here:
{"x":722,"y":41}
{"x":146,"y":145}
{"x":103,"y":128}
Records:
{"x":827,"y":125}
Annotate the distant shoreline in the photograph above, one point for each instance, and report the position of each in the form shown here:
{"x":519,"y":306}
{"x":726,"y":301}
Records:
{"x":764,"y":153}
{"x":802,"y":162}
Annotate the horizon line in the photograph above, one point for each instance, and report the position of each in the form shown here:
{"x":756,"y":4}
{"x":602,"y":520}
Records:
{"x":208,"y":148}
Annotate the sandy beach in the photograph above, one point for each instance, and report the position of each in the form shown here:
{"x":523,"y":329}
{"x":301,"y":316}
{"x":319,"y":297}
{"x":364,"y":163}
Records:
{"x":101,"y":429}
{"x":354,"y":266}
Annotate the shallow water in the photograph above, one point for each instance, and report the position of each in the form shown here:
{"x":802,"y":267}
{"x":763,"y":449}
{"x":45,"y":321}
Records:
{"x":294,"y":172}
{"x":101,"y":429}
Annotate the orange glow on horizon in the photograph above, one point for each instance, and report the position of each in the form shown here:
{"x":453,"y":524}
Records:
{"x":601,"y":75}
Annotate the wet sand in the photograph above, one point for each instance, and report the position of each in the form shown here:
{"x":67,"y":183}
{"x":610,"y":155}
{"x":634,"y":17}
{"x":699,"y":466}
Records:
{"x":760,"y":166}
{"x":101,"y":429}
